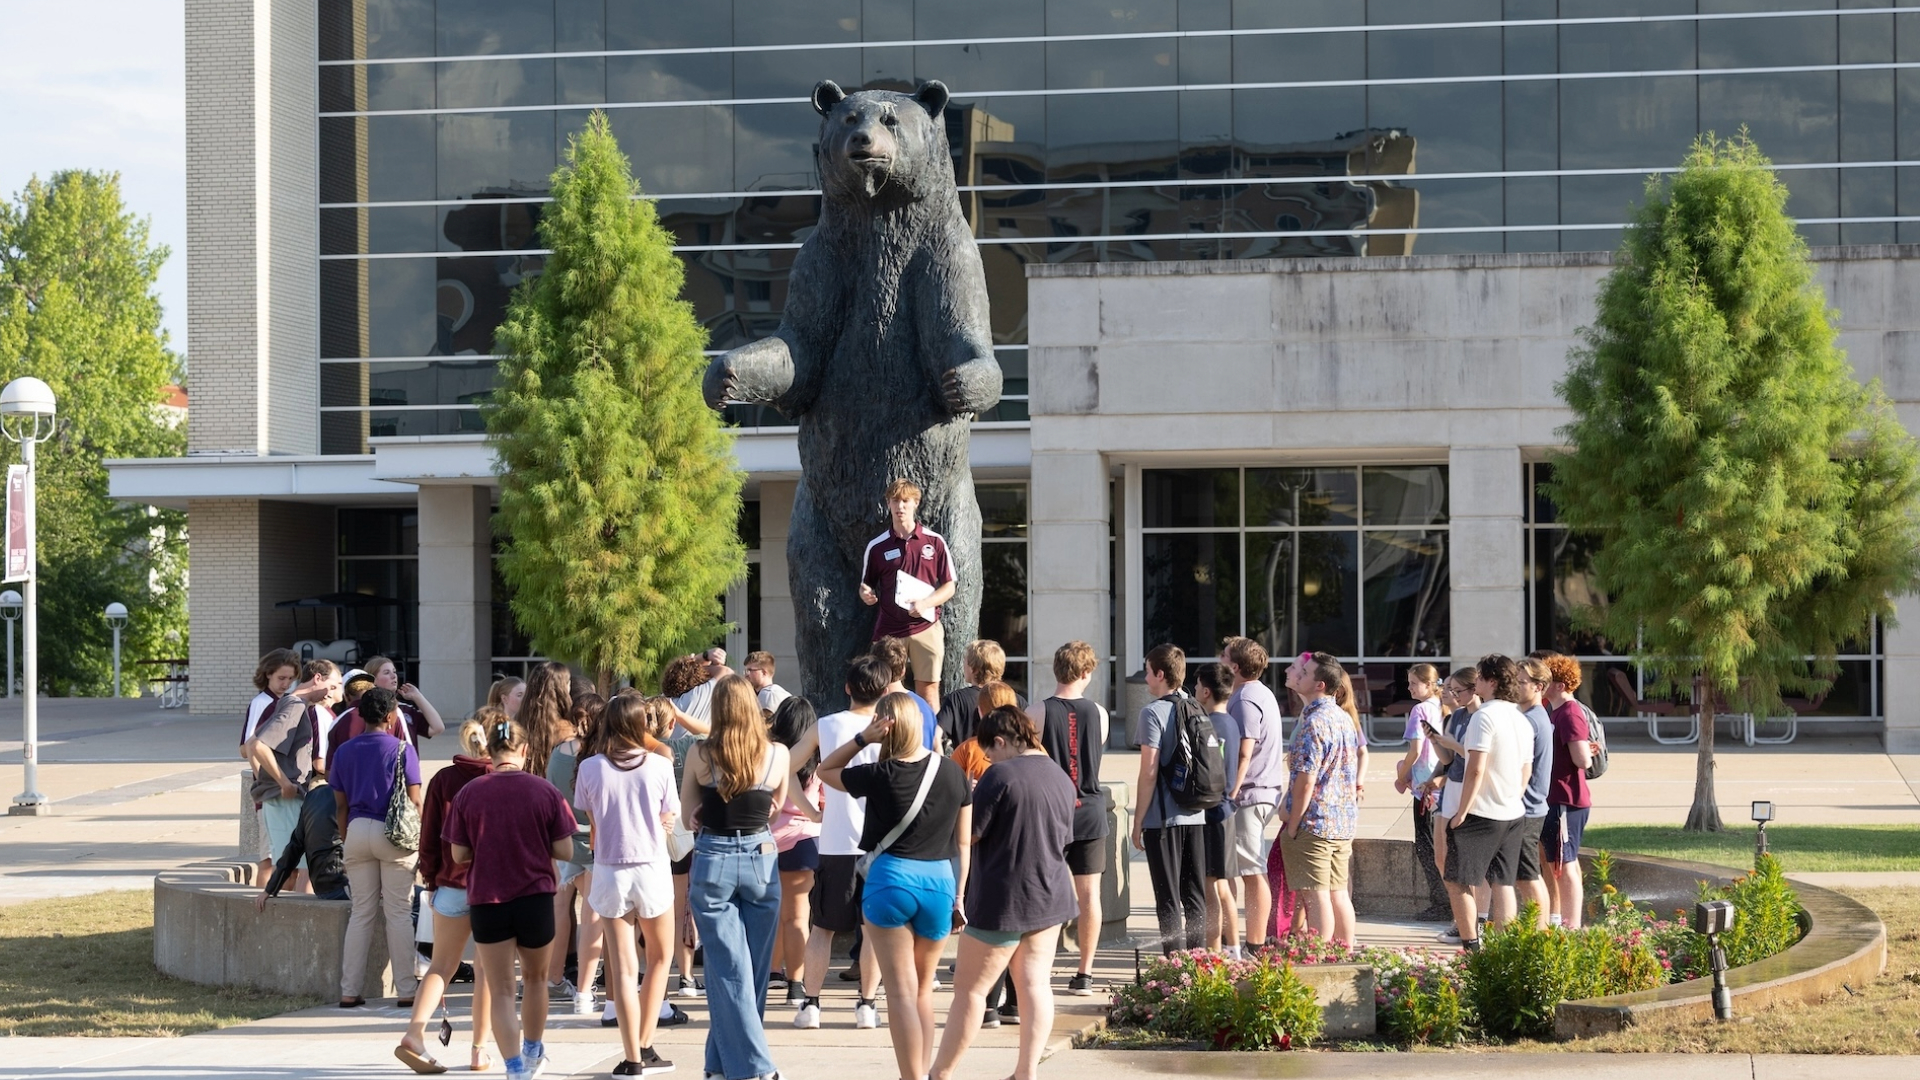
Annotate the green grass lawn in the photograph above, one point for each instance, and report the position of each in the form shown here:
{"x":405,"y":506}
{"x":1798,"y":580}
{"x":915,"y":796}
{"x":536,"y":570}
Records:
{"x":83,"y":965}
{"x":1809,"y":848}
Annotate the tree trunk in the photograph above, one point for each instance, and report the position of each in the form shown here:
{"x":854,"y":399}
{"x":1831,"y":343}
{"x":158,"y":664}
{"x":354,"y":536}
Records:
{"x":1705,"y":814}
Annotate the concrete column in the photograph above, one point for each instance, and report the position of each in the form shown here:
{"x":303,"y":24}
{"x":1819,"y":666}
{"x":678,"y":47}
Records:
{"x":1900,"y":693}
{"x":223,"y":613}
{"x":1488,"y":564}
{"x":456,"y":596}
{"x":1069,"y":595}
{"x":776,"y":593}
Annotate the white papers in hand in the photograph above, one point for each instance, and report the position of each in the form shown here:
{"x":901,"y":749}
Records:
{"x":907,"y":589}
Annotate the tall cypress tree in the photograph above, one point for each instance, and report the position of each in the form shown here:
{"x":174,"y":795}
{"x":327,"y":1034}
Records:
{"x":1755,"y":504}
{"x":619,"y":495}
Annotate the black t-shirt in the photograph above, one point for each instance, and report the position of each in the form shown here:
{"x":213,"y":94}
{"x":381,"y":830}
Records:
{"x":1022,"y":822}
{"x":889,"y":788}
{"x":960,"y":712}
{"x":1071,"y":736}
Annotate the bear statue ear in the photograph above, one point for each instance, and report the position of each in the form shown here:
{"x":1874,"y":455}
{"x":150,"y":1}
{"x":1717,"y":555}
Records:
{"x":932,"y":97}
{"x":827,"y":94}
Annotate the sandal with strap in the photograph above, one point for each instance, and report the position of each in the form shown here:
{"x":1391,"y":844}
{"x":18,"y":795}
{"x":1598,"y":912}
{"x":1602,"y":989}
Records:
{"x":417,"y":1061}
{"x":482,"y":1061}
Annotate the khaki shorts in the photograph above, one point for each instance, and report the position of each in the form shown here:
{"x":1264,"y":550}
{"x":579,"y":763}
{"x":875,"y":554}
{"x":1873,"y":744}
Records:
{"x":1247,"y":839}
{"x":925,"y":650}
{"x":1315,"y":863}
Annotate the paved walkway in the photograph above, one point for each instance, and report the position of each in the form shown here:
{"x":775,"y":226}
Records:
{"x":138,"y":790}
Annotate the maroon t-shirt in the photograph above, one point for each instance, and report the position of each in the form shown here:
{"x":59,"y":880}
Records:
{"x":1568,"y":785}
{"x":510,"y":819}
{"x":922,"y":555}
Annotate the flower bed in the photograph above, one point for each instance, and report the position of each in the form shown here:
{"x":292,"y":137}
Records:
{"x":1510,"y":988}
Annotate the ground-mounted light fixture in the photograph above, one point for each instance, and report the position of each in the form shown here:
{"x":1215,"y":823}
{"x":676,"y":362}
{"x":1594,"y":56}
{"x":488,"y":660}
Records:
{"x":1711,"y":918}
{"x":1762,"y":813}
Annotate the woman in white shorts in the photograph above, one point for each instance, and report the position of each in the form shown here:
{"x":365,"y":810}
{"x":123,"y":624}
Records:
{"x":627,"y":791}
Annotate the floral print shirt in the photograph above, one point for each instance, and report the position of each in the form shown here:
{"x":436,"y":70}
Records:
{"x":1326,"y":747}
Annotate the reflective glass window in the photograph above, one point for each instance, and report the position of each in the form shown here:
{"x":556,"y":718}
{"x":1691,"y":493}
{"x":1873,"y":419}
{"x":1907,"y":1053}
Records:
{"x":378,"y":229}
{"x":1612,"y":123}
{"x":480,"y":84}
{"x":505,"y":153}
{"x":1867,"y":193}
{"x":1405,"y":495}
{"x":668,"y":24}
{"x":1794,"y":116}
{"x":773,"y":146}
{"x":1766,"y":42}
{"x":1288,"y":129}
{"x":1303,"y":592}
{"x":1009,"y":66}
{"x":477,"y":27}
{"x":1088,"y":136}
{"x":1003,"y":598}
{"x":489,"y":225}
{"x":579,"y":25}
{"x":377,"y":307}
{"x":1866,"y":116}
{"x":1192,"y":589}
{"x":1298,"y":57}
{"x":695,"y":77}
{"x":580,"y":80}
{"x":1311,"y":497}
{"x":794,"y":74}
{"x":1135,"y":62}
{"x":364,"y":532}
{"x":385,"y":29}
{"x":1111,"y":16}
{"x":1653,"y":46}
{"x":438,"y":382}
{"x":1407,"y":596}
{"x":397,"y":86}
{"x":678,"y":150}
{"x":1189,"y":498}
{"x":781,"y":22}
{"x":1413,"y":54}
{"x":1459,"y":204}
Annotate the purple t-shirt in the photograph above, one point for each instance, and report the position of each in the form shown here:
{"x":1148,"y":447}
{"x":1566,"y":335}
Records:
{"x":626,"y":806}
{"x":1256,"y":710}
{"x":363,"y":768}
{"x":509,"y":819}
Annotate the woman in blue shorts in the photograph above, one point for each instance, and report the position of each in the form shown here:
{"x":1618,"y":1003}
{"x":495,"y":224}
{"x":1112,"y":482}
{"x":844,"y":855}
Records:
{"x":918,"y":812}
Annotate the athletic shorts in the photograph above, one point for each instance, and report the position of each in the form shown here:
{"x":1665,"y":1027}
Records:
{"x":835,"y":899}
{"x":1317,"y":863}
{"x":998,"y":939}
{"x":1529,"y":868}
{"x":1482,"y":849}
{"x":682,"y":867}
{"x":1565,"y":828}
{"x":1248,"y":834}
{"x":803,"y":855}
{"x":527,"y":920}
{"x":925,"y":651}
{"x":281,"y":817}
{"x":1218,"y":837}
{"x":916,"y":893}
{"x":645,"y":889}
{"x":1087,"y":856}
{"x":450,"y":902}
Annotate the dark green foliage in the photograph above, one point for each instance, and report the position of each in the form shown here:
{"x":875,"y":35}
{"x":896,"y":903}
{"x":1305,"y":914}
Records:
{"x":1768,"y":914}
{"x":1755,"y":503}
{"x":1252,"y":1004}
{"x":620,"y":494}
{"x":1522,"y":973}
{"x":78,"y":308}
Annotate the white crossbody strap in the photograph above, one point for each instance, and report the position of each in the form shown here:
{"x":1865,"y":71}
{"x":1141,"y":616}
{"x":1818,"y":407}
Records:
{"x":900,"y":827}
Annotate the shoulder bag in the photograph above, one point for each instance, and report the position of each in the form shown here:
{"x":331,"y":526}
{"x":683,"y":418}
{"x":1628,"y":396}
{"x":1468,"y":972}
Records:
{"x":900,"y":827}
{"x":403,"y":818}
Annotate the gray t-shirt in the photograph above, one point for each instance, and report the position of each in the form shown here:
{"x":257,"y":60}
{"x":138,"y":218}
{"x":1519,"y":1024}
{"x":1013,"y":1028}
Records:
{"x":1257,"y":712}
{"x":1225,"y":726}
{"x":288,"y":732}
{"x":1535,"y":797}
{"x":1156,"y":729}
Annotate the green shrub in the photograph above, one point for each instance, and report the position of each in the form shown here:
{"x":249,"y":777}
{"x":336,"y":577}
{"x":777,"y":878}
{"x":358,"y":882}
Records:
{"x":1768,"y":919}
{"x":1427,"y":1017}
{"x":1256,"y":1004}
{"x":1522,"y":973}
{"x":1417,"y":994}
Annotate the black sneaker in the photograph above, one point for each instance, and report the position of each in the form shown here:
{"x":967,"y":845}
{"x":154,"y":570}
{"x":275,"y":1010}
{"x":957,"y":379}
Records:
{"x":990,"y":1018}
{"x":776,"y":980}
{"x":674,"y":1018}
{"x":651,"y":1062}
{"x":1081,"y":985}
{"x":851,"y":973}
{"x":463,"y":973}
{"x":1009,"y":1012}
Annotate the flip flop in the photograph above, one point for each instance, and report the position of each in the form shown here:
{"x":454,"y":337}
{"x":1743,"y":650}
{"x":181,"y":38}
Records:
{"x":482,"y":1061}
{"x":417,"y":1061}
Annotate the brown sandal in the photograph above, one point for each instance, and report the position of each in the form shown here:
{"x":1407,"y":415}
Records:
{"x":417,"y":1061}
{"x":482,"y":1061}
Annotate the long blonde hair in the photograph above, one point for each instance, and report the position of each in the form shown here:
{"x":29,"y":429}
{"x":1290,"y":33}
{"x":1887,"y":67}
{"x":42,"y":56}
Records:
{"x":548,"y":702}
{"x":1428,"y":674}
{"x":473,"y":730}
{"x":903,"y":738}
{"x":736,"y":746}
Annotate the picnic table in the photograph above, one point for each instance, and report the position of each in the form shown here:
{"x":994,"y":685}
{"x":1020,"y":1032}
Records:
{"x":170,"y":682}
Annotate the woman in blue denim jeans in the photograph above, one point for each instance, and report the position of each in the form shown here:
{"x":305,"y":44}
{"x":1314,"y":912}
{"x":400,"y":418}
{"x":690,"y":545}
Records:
{"x":733,"y":781}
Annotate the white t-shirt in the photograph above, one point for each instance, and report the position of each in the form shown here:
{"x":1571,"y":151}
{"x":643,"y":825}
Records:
{"x":1505,"y":734}
{"x":262,"y":704}
{"x":772,"y":696}
{"x":842,"y":816}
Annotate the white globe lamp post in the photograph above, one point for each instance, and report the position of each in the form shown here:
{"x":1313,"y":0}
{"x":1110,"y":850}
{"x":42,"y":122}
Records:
{"x":10,"y":603}
{"x":116,"y":614}
{"x":27,"y":417}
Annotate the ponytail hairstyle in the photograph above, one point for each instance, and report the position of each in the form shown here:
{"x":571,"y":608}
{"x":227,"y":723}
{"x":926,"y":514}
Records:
{"x":1343,"y":697}
{"x":1428,"y":674}
{"x":903,"y":738}
{"x":1009,"y":723}
{"x":585,"y":718}
{"x":624,"y":734}
{"x":549,"y":699}
{"x":504,"y":735}
{"x":497,"y":693}
{"x":473,"y":730}
{"x":737,"y":743}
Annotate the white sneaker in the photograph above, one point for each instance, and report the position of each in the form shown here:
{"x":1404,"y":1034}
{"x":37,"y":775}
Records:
{"x":807,"y":1017}
{"x":689,"y":988}
{"x":865,"y":1015}
{"x":583,"y":1003}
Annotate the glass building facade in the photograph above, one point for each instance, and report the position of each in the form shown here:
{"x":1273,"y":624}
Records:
{"x":1081,"y":130}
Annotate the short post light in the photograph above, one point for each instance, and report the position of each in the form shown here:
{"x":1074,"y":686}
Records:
{"x":1762,"y":813}
{"x":27,"y":417}
{"x":116,"y":614}
{"x":1711,"y":918}
{"x":10,"y":603}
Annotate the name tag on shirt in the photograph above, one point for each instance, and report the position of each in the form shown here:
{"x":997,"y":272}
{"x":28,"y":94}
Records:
{"x":892,"y":555}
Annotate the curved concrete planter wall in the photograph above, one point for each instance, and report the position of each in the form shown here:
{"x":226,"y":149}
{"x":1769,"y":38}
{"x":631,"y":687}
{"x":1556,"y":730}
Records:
{"x":205,"y":930}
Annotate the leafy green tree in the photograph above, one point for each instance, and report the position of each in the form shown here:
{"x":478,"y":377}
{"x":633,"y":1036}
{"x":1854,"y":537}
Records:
{"x":619,"y":491}
{"x":78,"y":308}
{"x":1755,"y":504}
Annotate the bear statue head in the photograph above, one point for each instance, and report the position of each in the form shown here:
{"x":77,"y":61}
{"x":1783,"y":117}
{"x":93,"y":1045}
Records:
{"x":883,"y":146}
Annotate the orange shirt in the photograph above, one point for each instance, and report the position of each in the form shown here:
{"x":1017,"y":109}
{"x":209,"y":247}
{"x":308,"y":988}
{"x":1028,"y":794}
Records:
{"x":971,"y":759}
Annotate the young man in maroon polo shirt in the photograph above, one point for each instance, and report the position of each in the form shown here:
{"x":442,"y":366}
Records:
{"x":910,"y":550}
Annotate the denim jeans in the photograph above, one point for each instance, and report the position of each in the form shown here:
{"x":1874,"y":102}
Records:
{"x":734,"y":894}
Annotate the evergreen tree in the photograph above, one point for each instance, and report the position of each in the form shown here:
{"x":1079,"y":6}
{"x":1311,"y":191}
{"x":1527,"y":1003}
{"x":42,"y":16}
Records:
{"x":619,"y":495}
{"x":78,"y":308}
{"x":1755,"y":504}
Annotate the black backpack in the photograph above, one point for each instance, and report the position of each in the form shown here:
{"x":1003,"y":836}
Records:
{"x":1193,"y":766}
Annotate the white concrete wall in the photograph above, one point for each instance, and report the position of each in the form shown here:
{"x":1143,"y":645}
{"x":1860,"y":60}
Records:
{"x":456,"y":596}
{"x":1440,"y":359}
{"x":776,"y":592}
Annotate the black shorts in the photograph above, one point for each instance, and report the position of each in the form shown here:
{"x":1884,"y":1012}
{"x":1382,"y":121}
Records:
{"x":1530,"y":850}
{"x":1087,"y":856}
{"x":527,"y":920}
{"x":1482,"y":849}
{"x":682,"y":867}
{"x":1216,"y":834}
{"x":803,"y":855}
{"x":836,"y":896}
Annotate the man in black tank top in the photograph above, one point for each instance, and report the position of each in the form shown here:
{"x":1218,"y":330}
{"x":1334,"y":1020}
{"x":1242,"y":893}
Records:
{"x":1074,"y":732}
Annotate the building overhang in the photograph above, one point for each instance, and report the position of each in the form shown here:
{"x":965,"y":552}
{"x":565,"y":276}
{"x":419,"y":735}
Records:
{"x":399,"y":465}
